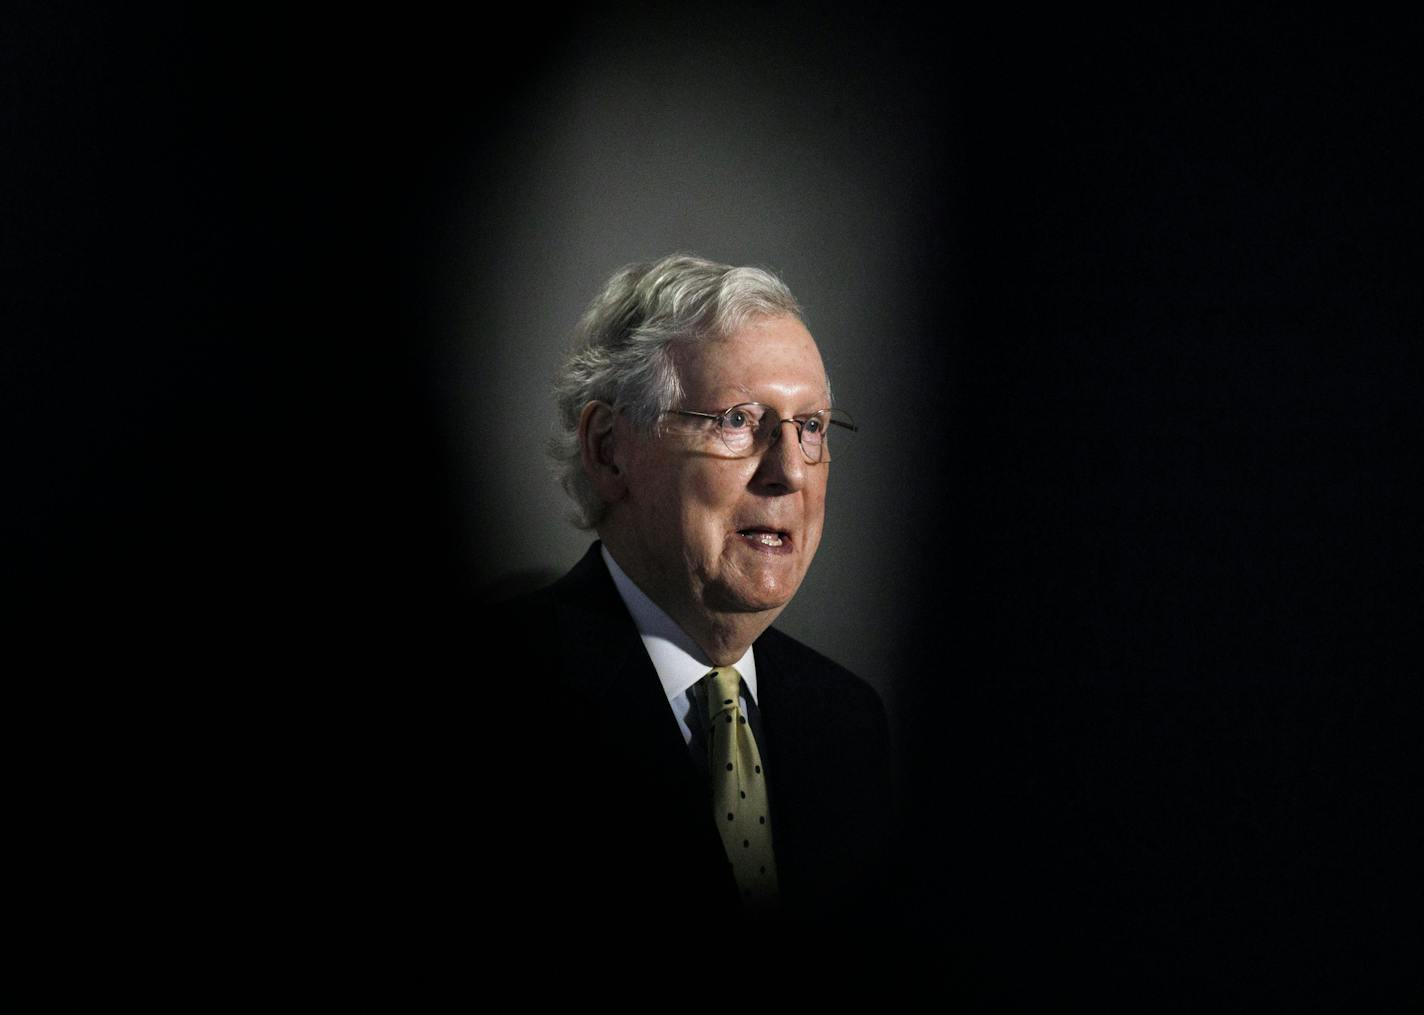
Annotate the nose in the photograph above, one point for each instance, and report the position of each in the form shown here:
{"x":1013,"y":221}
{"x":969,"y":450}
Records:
{"x":782,"y":468}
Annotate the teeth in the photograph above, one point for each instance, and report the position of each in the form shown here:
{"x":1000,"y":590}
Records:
{"x":768,"y":538}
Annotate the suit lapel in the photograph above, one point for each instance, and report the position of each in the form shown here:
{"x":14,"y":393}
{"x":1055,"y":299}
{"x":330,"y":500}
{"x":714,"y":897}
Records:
{"x":608,"y":669}
{"x":606,"y":664}
{"x":790,"y":753}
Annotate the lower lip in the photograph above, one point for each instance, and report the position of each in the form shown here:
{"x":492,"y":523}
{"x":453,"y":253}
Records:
{"x":756,"y":544}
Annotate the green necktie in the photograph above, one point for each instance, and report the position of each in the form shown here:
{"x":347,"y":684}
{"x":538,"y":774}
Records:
{"x":739,"y":797}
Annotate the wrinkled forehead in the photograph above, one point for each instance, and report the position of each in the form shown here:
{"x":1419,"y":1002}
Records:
{"x":770,"y":359}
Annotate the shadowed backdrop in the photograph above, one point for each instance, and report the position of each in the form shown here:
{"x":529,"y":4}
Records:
{"x":1128,"y":312}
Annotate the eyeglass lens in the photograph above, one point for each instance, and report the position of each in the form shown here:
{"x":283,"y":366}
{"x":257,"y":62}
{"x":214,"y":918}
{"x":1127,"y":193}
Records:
{"x":752,"y":426}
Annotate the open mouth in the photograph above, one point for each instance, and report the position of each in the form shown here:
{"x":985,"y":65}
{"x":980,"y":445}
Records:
{"x":766,"y":538}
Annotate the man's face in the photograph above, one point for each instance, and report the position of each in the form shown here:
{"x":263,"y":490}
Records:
{"x":699,"y":521}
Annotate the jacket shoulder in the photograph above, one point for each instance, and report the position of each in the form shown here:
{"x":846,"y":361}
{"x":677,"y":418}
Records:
{"x":799,"y":665}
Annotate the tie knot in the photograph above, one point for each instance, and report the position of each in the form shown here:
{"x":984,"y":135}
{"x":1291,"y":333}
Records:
{"x":724,"y":684}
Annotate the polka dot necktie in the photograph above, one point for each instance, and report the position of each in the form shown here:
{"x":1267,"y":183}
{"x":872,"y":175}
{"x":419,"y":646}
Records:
{"x":739,"y":797}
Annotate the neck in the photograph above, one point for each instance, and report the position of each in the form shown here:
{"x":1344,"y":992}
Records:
{"x":725,"y":637}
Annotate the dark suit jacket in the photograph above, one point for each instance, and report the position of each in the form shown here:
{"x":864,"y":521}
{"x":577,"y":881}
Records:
{"x":609,"y":814}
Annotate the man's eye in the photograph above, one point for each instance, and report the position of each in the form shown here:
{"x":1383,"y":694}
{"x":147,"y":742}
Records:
{"x":814,"y":425}
{"x":737,"y":419}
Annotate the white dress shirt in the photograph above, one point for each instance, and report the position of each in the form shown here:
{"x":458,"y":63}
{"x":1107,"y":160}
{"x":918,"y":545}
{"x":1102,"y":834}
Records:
{"x":677,"y":658}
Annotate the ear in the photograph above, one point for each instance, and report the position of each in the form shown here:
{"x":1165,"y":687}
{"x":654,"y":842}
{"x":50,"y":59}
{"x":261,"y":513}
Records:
{"x":598,"y":451}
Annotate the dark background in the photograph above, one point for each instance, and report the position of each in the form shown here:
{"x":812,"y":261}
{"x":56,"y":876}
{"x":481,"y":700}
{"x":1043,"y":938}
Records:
{"x":1155,"y":700}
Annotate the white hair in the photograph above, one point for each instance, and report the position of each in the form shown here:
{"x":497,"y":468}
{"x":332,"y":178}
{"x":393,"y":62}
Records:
{"x":622,"y":349}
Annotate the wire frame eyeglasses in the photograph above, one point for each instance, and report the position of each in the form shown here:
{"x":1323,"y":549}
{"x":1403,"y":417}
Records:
{"x":751,"y":427}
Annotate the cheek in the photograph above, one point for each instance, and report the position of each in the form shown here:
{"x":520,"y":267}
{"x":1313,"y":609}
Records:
{"x":814,"y":543}
{"x":713,"y":491}
{"x":816,"y":516}
{"x":710,"y":499}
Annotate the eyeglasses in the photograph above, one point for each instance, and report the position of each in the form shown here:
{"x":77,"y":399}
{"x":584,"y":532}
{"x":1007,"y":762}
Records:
{"x":751,"y":427}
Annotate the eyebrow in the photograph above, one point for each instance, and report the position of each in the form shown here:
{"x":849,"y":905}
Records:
{"x":819,"y":407}
{"x":752,"y":397}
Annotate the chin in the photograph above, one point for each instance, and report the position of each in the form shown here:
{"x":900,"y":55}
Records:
{"x":741,"y":599}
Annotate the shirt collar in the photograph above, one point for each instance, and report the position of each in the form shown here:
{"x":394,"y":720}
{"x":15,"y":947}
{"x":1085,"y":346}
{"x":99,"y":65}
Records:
{"x":677,"y":658}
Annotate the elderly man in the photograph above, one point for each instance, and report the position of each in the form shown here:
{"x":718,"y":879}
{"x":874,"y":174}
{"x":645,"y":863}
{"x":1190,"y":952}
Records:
{"x":690,"y":756}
